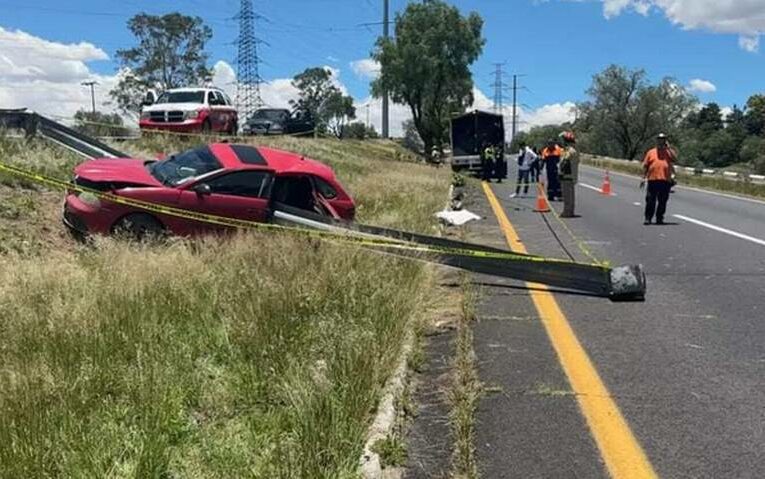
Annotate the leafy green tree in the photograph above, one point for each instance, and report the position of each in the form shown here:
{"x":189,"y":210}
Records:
{"x":170,"y":54}
{"x":625,"y":112}
{"x":538,"y":136}
{"x":736,"y":125}
{"x":412,"y":140}
{"x":319,"y":98}
{"x":338,"y":110}
{"x":359,"y":131}
{"x":755,"y":115}
{"x":709,"y":119}
{"x":426,"y":65}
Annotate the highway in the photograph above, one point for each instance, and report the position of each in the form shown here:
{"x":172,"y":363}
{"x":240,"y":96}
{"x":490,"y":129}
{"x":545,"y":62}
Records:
{"x":686,"y":368}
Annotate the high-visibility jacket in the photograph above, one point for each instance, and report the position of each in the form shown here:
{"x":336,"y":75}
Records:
{"x":551,"y":152}
{"x":659,"y":163}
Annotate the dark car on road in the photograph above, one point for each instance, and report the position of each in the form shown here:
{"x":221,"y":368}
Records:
{"x":277,"y":121}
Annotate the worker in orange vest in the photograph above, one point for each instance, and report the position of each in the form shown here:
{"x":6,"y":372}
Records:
{"x":658,"y":169}
{"x":550,"y":160}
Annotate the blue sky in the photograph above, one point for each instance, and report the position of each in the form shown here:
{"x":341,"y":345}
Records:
{"x":558,"y":44}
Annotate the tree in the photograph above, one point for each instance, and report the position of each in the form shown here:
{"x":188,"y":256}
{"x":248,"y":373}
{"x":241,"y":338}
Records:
{"x":412,"y":140}
{"x":359,"y":131}
{"x":426,"y":65}
{"x":538,"y":136}
{"x":170,"y":54}
{"x":99,"y":124}
{"x":755,"y":115}
{"x":339,"y":109}
{"x":625,"y":112}
{"x":709,"y":119}
{"x":321,"y":100}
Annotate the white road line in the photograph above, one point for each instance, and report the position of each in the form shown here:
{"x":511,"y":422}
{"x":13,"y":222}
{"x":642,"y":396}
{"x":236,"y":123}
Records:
{"x":722,"y":230}
{"x":593,"y":188}
{"x":690,"y":188}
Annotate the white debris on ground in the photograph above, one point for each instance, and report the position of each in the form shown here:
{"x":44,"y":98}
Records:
{"x":456,"y":218}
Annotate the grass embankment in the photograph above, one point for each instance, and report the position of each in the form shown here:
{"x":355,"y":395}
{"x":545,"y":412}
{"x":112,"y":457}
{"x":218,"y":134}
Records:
{"x":718,"y":183}
{"x":259,"y":356}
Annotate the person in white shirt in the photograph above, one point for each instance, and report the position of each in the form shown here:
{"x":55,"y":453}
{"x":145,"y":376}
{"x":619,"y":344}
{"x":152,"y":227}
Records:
{"x":526,"y":158}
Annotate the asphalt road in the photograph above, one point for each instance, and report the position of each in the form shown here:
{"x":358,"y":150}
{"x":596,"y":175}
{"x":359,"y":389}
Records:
{"x":686,"y":368}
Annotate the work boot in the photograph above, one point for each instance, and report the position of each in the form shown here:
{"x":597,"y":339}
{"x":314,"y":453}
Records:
{"x":647,"y":222}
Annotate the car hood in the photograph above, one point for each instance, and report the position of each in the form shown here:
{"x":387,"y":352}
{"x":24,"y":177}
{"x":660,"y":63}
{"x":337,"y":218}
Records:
{"x":173,"y":107}
{"x":122,"y":171}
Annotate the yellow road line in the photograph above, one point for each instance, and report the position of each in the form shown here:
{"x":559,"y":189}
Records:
{"x":623,"y":455}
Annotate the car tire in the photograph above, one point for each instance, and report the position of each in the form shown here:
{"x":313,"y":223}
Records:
{"x":140,"y":227}
{"x":233,"y":129}
{"x":206,"y":127}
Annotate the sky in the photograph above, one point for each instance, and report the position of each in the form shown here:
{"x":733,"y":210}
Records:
{"x":47,"y":48}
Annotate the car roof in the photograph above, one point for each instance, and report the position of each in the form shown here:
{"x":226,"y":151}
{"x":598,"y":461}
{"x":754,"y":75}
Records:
{"x":281,"y":162}
{"x":185,"y":89}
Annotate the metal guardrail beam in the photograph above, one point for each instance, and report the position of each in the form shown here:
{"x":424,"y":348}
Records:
{"x":32,"y":124}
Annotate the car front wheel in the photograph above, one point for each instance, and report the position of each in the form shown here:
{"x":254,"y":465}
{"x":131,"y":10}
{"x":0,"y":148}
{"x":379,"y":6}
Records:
{"x":139,"y":226}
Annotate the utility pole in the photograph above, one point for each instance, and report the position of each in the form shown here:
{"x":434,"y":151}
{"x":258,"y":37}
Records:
{"x":386,"y":32}
{"x":248,"y":97}
{"x":515,"y":104}
{"x":92,"y":84}
{"x":516,"y":87}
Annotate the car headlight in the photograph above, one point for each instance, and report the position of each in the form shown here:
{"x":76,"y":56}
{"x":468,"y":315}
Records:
{"x":145,"y":115}
{"x":191,"y":115}
{"x":89,"y":199}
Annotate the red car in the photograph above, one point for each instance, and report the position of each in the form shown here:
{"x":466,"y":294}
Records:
{"x":235,"y":181}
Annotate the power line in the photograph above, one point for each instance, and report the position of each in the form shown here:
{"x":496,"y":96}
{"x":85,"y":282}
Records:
{"x":248,"y":62}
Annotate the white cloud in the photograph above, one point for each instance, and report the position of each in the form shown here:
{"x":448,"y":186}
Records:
{"x":743,"y":17}
{"x":750,"y":43}
{"x":725,"y":111}
{"x":46,"y":76}
{"x":702,"y":86}
{"x":366,"y":68}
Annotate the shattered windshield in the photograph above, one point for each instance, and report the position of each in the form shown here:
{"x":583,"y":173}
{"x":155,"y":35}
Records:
{"x":182,"y":97}
{"x":185,"y":166}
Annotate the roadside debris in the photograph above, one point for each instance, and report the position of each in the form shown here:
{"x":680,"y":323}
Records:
{"x":456,"y":218}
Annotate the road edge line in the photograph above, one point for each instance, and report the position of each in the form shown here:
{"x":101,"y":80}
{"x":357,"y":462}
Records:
{"x":619,"y":449}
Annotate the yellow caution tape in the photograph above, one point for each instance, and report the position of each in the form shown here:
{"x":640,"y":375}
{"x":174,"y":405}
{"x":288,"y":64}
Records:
{"x":335,"y":237}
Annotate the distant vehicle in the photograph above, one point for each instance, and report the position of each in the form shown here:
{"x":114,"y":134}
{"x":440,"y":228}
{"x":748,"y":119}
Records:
{"x":470,"y":134}
{"x":190,"y":110}
{"x":221,"y":179}
{"x":277,"y":121}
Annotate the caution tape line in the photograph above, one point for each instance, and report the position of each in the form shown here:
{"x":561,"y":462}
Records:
{"x":388,"y":243}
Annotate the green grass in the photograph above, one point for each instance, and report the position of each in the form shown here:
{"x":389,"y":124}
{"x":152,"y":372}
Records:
{"x":465,"y":391}
{"x":392,"y":451}
{"x":718,"y":183}
{"x":256,"y":356}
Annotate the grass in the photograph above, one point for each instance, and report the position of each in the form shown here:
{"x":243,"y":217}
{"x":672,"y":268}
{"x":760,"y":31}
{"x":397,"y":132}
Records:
{"x":718,"y":183}
{"x":392,"y":451}
{"x":258,"y":356}
{"x":465,"y":391}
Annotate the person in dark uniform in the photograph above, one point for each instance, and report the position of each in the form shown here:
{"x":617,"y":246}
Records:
{"x":550,"y":159}
{"x":500,"y":163}
{"x":487,"y":162}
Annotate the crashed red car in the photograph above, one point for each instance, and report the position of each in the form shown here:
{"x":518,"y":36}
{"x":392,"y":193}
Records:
{"x":234,"y":181}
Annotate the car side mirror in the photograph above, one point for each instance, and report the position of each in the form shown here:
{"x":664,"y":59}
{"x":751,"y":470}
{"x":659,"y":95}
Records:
{"x":149,"y":99}
{"x":202,"y":189}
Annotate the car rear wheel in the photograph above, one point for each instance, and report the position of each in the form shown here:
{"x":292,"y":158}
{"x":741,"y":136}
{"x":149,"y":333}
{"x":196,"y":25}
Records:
{"x":139,"y":226}
{"x":233,"y":129}
{"x":206,"y":127}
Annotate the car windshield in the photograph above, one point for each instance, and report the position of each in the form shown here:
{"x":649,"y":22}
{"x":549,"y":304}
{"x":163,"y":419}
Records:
{"x":182,"y":97}
{"x":184,"y":166}
{"x":269,"y":115}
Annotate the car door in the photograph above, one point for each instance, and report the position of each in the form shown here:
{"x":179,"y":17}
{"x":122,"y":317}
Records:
{"x":242,"y":195}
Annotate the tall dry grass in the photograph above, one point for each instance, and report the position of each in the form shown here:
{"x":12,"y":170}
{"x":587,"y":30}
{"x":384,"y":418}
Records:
{"x":253,"y":356}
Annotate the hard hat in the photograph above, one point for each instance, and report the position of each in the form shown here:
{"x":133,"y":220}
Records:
{"x":662,"y":136}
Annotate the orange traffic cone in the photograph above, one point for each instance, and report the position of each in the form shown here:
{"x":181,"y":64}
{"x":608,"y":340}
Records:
{"x":606,"y":188}
{"x":542,"y":205}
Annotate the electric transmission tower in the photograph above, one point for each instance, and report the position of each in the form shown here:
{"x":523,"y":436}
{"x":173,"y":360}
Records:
{"x":248,"y":97}
{"x":499,"y":87}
